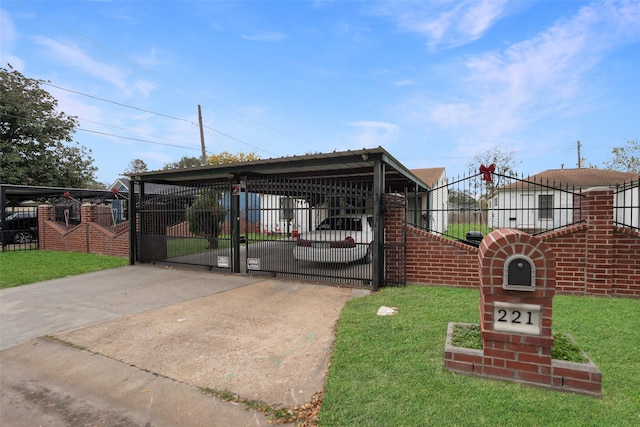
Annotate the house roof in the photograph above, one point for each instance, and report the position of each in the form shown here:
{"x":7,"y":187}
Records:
{"x":578,"y":178}
{"x":429,"y":176}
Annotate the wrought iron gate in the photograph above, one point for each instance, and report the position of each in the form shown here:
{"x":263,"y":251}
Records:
{"x":309,"y":228}
{"x":186,"y":225}
{"x":318,"y":229}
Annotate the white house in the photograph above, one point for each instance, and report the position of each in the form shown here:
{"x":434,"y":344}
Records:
{"x":547,"y":200}
{"x":281,"y":214}
{"x":430,"y":210}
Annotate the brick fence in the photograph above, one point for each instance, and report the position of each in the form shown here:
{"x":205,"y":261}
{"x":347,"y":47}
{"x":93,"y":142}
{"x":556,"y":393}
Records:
{"x":92,"y":235}
{"x":594,"y":257}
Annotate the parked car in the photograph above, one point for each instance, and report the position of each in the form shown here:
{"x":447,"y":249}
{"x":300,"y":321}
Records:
{"x":337,"y":239}
{"x":20,"y":227}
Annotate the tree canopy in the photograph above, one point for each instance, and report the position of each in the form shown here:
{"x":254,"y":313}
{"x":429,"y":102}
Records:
{"x":226,"y":157}
{"x":506,"y":163}
{"x":184,"y":162}
{"x":215,"y":159}
{"x":625,"y":158}
{"x":206,"y":214}
{"x":135,"y":166}
{"x":36,"y":141}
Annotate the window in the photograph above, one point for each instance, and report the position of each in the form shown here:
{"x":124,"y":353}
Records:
{"x":545,"y":206}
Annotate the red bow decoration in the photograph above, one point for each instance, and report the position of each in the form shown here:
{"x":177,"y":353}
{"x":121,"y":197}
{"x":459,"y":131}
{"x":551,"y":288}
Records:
{"x":487,"y":171}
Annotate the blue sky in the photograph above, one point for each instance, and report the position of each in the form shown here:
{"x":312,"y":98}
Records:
{"x":433,"y":82}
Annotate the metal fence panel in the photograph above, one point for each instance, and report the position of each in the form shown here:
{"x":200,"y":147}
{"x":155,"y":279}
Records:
{"x":627,"y":205}
{"x":19,"y":229}
{"x":309,"y":228}
{"x":471,"y":207}
{"x":185,"y":225}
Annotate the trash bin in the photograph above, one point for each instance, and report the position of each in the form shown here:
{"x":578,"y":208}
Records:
{"x":474,"y":237}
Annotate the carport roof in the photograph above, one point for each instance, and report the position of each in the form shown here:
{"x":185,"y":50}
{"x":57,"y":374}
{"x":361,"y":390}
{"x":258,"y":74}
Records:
{"x":355,"y":165}
{"x":26,"y":192}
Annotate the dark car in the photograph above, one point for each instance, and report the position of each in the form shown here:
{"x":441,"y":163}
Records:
{"x":20,"y":227}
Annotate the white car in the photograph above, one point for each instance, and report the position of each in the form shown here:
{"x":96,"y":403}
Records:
{"x":337,"y":239}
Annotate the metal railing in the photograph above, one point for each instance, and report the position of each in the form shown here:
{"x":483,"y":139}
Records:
{"x":470,"y":207}
{"x":19,"y":229}
{"x":626,"y":205}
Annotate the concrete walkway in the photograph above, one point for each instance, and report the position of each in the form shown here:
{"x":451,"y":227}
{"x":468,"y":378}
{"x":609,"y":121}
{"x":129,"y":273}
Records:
{"x":138,"y":345}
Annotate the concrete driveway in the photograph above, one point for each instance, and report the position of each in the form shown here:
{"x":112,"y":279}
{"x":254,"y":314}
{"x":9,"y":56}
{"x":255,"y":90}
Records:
{"x":139,"y":345}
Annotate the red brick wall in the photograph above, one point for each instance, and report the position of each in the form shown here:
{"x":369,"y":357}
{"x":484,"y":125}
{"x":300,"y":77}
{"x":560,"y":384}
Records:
{"x":594,"y":257}
{"x":434,"y":260}
{"x":88,"y":236}
{"x":626,"y":268}
{"x":569,"y":246}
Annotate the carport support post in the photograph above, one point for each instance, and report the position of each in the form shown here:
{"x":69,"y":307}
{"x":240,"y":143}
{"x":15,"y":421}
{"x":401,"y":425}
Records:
{"x":133,"y":237}
{"x":3,"y":206}
{"x":235,"y":223}
{"x":378,"y":225}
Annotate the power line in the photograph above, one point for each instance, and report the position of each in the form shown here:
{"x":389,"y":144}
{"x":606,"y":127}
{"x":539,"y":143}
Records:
{"x":137,"y":139}
{"x":159,"y":114}
{"x":120,"y":104}
{"x":238,"y":140}
{"x":150,"y":71}
{"x":133,"y":131}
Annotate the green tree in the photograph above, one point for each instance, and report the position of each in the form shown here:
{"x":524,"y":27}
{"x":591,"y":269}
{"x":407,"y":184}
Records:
{"x":206,"y":215}
{"x":36,"y":141}
{"x":136,"y":166}
{"x":184,"y":162}
{"x":461,"y":197}
{"x":625,"y":158}
{"x":505,"y":162}
{"x":226,"y":157}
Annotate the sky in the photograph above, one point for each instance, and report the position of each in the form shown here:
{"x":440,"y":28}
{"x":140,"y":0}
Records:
{"x":435,"y":83}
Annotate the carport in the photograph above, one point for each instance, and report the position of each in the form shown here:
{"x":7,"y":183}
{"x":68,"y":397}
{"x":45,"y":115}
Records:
{"x":12,"y":195}
{"x":247,"y":217}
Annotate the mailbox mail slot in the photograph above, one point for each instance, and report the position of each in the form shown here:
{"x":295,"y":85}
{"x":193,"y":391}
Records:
{"x":519,"y":274}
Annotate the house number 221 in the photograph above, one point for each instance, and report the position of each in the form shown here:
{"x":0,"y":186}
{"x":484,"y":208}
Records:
{"x":517,"y":318}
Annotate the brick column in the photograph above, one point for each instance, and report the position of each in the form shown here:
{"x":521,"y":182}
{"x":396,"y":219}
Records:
{"x":514,"y":355}
{"x":597,"y":210}
{"x":45,"y":212}
{"x":87,"y":216}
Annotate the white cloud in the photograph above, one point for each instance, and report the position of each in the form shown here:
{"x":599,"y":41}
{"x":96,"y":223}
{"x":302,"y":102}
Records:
{"x":76,"y":57}
{"x":268,"y":36}
{"x":8,"y":36}
{"x":505,"y":90}
{"x":374,"y":134}
{"x":446,"y":23}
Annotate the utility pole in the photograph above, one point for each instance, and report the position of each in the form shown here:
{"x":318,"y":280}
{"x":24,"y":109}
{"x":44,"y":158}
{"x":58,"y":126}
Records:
{"x":579,"y":158}
{"x":203,"y":159}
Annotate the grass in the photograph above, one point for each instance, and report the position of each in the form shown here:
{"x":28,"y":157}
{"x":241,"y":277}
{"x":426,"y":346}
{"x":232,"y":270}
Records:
{"x":182,"y":246}
{"x":24,"y":267}
{"x":389,"y":370}
{"x":459,"y":231}
{"x":564,"y":348}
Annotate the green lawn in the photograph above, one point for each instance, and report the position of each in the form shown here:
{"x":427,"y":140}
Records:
{"x":181,"y":246}
{"x":388,"y":371}
{"x":23,"y":267}
{"x":459,"y":231}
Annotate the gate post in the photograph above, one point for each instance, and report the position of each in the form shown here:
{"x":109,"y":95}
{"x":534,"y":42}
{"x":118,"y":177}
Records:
{"x":133,"y":237}
{"x":378,"y":225}
{"x":235,"y":222}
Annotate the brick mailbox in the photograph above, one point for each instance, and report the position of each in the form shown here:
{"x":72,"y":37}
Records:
{"x":517,"y":285}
